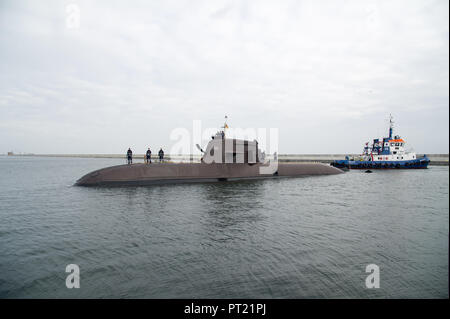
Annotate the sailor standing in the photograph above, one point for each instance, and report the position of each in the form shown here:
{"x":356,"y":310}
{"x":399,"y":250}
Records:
{"x":148,"y":156}
{"x":130,"y":156}
{"x":161,"y":154}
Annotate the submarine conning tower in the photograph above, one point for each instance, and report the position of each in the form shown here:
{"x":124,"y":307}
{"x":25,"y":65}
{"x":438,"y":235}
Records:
{"x":226,"y":150}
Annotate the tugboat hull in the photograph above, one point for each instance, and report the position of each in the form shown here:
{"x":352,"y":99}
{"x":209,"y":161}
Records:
{"x":419,"y":163}
{"x":149,"y":174}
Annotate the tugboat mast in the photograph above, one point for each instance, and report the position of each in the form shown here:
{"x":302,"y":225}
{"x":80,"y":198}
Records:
{"x":391,"y":126}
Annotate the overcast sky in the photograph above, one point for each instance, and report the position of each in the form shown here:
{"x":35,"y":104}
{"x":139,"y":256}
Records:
{"x":326,"y":73}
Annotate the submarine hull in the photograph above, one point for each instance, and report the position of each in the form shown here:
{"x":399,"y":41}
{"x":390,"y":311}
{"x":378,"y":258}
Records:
{"x":150,"y":174}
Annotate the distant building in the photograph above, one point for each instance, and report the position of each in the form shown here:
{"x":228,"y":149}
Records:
{"x":10,"y":153}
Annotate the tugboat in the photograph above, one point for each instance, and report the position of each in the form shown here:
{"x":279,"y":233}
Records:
{"x":389,"y":152}
{"x":224,"y":159}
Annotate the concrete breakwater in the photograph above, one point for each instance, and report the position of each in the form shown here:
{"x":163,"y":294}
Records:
{"x":436,"y":159}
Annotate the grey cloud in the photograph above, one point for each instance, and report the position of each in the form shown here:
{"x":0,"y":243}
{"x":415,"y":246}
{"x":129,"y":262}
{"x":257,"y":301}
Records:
{"x":326,"y":73}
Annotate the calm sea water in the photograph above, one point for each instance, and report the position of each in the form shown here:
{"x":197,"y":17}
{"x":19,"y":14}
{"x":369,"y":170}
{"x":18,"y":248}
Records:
{"x":308,"y":237}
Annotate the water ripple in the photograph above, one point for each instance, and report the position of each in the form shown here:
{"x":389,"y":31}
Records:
{"x":306,"y":237}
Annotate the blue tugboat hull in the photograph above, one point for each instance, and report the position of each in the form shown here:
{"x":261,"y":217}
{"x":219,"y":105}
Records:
{"x":418,"y":163}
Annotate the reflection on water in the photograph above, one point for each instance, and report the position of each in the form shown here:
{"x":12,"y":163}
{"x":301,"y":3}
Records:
{"x":229,"y":204}
{"x":285,"y":238}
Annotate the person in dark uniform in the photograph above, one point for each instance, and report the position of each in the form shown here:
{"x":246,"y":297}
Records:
{"x":148,"y":156}
{"x":161,"y":154}
{"x":130,"y":156}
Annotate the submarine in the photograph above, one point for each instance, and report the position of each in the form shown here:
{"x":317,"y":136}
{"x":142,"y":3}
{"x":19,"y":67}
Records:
{"x":224,"y":159}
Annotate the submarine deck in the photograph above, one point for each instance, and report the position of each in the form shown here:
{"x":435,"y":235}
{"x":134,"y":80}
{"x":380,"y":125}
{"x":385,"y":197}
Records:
{"x":162,"y":173}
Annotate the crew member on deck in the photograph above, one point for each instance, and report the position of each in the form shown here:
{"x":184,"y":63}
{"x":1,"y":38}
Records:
{"x":148,"y":156}
{"x":161,"y":154}
{"x":130,"y":156}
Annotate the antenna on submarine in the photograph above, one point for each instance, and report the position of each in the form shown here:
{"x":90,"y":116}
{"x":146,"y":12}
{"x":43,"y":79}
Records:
{"x":225,"y":125}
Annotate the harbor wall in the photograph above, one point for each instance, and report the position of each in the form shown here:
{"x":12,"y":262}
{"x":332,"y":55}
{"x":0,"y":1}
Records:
{"x":436,"y":159}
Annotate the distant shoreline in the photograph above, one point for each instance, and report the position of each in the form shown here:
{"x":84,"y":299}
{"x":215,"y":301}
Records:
{"x":436,"y":159}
